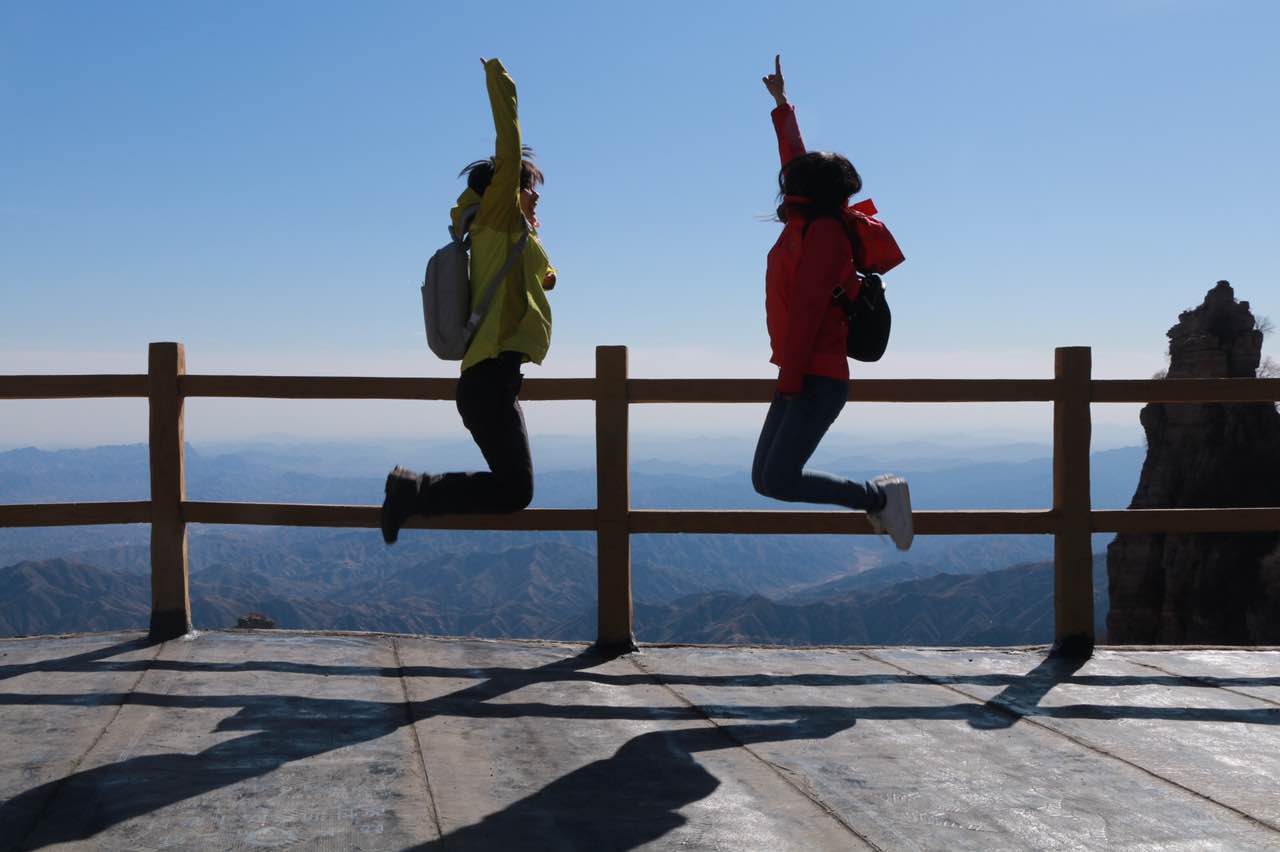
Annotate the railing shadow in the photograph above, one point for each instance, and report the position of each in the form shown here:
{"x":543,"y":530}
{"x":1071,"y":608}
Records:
{"x":1051,"y":671}
{"x":98,"y":657}
{"x":625,"y":800}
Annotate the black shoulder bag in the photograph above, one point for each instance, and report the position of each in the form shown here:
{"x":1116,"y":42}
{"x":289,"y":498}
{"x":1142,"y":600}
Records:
{"x":869,"y":318}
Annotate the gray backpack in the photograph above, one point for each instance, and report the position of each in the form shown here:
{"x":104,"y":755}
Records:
{"x":446,"y":292}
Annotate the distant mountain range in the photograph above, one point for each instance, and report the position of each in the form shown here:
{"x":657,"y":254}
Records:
{"x":760,"y":588}
{"x":548,"y":591}
{"x":120,"y":473}
{"x":1013,"y":606}
{"x":59,"y":596}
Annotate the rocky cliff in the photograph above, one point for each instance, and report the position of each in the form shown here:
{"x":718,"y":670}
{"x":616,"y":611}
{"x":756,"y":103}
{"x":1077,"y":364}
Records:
{"x":1188,"y":589}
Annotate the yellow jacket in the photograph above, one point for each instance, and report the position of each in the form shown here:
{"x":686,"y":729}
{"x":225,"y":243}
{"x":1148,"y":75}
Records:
{"x":519,"y":318}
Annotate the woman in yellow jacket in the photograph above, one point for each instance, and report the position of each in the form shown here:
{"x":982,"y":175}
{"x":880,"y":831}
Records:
{"x":516,"y":329}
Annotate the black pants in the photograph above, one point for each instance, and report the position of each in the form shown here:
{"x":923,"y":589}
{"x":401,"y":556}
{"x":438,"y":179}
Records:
{"x":489,"y":402}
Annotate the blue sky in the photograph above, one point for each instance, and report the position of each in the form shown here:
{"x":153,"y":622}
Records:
{"x":264,"y":182}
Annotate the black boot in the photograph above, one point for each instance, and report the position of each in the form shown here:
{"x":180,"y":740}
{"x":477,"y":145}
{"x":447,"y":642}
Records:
{"x":400,"y":502}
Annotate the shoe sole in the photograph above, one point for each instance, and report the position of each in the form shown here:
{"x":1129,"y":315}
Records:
{"x":891,"y":480}
{"x":911,"y":527}
{"x":389,"y":533}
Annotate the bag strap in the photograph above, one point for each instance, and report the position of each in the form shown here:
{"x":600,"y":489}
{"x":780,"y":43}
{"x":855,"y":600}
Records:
{"x":462,"y":234}
{"x":870,"y":295}
{"x":844,"y":226}
{"x":473,"y":322}
{"x":838,"y":294}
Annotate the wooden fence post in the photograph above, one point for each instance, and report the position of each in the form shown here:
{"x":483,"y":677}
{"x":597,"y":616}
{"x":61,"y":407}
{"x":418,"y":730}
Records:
{"x":170,"y":597}
{"x":1072,"y":543}
{"x":613,"y":503}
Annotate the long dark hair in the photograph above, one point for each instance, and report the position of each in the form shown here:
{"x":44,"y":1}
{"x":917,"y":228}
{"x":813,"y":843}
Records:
{"x":480,"y":173}
{"x":824,"y":181}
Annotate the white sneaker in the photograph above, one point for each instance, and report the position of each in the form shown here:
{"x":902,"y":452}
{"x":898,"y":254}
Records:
{"x":895,"y":517}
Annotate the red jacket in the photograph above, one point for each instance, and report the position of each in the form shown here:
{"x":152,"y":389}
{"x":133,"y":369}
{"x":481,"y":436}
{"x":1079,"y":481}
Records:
{"x":807,"y":330}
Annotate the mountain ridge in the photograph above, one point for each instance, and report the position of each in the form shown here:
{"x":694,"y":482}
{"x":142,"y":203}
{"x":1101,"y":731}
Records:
{"x":548,"y":592}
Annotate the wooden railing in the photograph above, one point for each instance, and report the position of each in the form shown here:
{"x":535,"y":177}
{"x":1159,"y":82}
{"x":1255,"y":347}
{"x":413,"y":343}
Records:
{"x":1071,"y":520}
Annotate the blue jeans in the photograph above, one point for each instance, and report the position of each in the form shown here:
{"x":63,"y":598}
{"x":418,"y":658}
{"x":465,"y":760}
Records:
{"x":791,"y":433}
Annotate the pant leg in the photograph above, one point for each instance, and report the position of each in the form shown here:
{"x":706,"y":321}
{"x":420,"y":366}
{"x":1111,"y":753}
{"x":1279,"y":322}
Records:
{"x":768,"y":434}
{"x":488,"y":400}
{"x":798,"y":425}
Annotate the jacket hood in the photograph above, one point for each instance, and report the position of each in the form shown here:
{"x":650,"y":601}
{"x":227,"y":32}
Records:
{"x":471,"y":198}
{"x":866,"y":207}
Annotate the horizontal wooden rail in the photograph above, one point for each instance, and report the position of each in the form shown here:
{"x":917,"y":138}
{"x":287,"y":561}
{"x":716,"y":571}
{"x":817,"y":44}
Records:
{"x":302,"y":515}
{"x":638,"y":390}
{"x":365,"y":387}
{"x":1176,"y":521}
{"x":862,"y":390}
{"x":748,"y":522}
{"x":1185,"y":390}
{"x":1133,"y":391}
{"x":75,"y":514}
{"x":72,"y":387}
{"x":649,"y":521}
{"x":700,"y":390}
{"x":952,"y":390}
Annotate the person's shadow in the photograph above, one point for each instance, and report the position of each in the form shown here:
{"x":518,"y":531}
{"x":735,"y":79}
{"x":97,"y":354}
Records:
{"x":632,"y":797}
{"x":1022,"y":696}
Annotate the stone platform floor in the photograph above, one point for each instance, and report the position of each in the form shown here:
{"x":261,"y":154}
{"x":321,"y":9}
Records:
{"x":289,"y":740}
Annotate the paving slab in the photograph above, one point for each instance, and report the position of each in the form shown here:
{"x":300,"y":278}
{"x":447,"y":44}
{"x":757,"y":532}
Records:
{"x":58,"y":696}
{"x":550,"y":747}
{"x":250,"y":740}
{"x":1255,"y":673}
{"x":913,"y":764}
{"x":1223,"y":745}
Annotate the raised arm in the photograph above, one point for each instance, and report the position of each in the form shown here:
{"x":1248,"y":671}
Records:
{"x":501,"y":201}
{"x":790,"y":145}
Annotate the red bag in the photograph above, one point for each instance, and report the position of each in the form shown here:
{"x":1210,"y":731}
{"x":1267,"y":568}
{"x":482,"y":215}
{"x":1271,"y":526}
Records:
{"x":875,"y":250}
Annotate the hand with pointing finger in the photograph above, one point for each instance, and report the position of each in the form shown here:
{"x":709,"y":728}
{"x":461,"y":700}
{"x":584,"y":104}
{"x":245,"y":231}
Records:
{"x":774,"y":82}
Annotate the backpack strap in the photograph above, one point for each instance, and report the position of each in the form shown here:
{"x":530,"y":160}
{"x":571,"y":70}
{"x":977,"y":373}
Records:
{"x":463,"y":235}
{"x":844,"y":226}
{"x":838,"y":294}
{"x":473,"y":322}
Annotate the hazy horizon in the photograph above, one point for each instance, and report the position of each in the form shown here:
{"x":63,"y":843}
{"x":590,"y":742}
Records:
{"x":1109,"y":439}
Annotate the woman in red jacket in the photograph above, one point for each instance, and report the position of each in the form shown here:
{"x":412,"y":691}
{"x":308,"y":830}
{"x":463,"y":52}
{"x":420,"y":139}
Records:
{"x":807,"y":330}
